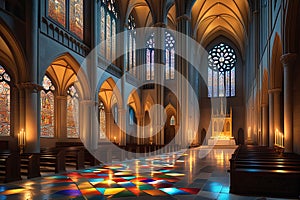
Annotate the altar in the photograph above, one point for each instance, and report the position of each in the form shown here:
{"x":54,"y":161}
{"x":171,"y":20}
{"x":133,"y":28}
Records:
{"x":221,"y":127}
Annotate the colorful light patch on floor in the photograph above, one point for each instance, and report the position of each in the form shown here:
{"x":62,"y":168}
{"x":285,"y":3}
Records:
{"x":152,"y":176}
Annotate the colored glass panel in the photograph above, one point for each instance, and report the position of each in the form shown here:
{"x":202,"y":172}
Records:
{"x":102,"y":119}
{"x":72,"y":113}
{"x":47,"y":108}
{"x":150,"y":57}
{"x":170,"y":56}
{"x":57,"y":11}
{"x":221,"y":61}
{"x":4,"y":103}
{"x":76,"y":17}
{"x":108,"y":37}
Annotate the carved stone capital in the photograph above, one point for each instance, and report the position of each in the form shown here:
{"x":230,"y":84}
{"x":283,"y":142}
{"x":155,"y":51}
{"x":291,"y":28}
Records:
{"x":288,"y":59}
{"x":33,"y":86}
{"x":183,"y":18}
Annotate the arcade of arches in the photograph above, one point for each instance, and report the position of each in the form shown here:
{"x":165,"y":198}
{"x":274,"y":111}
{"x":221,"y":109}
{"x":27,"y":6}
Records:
{"x":49,"y":92}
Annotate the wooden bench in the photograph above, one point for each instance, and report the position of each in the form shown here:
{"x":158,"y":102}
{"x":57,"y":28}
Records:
{"x":74,"y":156}
{"x":9,"y":166}
{"x":52,"y":160}
{"x":264,"y":172}
{"x":89,"y":159}
{"x":30,"y":165}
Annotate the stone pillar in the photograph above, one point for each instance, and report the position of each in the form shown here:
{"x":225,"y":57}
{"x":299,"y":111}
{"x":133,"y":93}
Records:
{"x":89,"y":133}
{"x":139,"y":121}
{"x":32,"y":101}
{"x":265,"y":132}
{"x":271,"y":120}
{"x":122,"y":126}
{"x":159,"y":60}
{"x":288,"y":61}
{"x":277,"y":110}
{"x":61,"y":116}
{"x":183,"y":26}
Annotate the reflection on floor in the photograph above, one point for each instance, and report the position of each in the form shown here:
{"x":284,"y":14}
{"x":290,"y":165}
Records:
{"x":196,"y":174}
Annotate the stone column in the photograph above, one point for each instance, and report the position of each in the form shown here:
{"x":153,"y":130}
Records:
{"x":89,"y":133}
{"x":271,"y":119}
{"x":139,"y":130}
{"x":277,"y":110}
{"x":265,"y":132}
{"x":32,"y":101}
{"x":122,"y":126}
{"x":183,"y":26}
{"x":288,"y":61}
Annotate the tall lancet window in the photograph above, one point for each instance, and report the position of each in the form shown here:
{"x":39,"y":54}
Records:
{"x":69,"y":14}
{"x":131,"y":45}
{"x":4,"y":103}
{"x":221,"y":71}
{"x":76,"y":17}
{"x":108,"y":29}
{"x":72,"y":113}
{"x":102,"y":121}
{"x":150,"y":45}
{"x":47,"y":108}
{"x":170,"y":56}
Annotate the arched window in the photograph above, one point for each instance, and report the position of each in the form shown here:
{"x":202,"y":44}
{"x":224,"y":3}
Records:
{"x":4,"y":103}
{"x":102,"y":119}
{"x":115,"y":112}
{"x":131,"y":45}
{"x":172,"y":121}
{"x":131,"y":116}
{"x":58,"y":9}
{"x":221,"y":71}
{"x":170,"y":56}
{"x":150,"y":58}
{"x":108,"y":30}
{"x":72,"y":113}
{"x":47,"y":108}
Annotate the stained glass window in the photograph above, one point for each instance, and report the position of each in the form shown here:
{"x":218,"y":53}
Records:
{"x":47,"y":108}
{"x":72,"y":113}
{"x":131,"y":45}
{"x":115,"y":113}
{"x":102,"y":119}
{"x":57,"y":11}
{"x":150,"y":58}
{"x":221,"y":71}
{"x":170,"y":56}
{"x":76,"y":17}
{"x":108,"y":29}
{"x":4,"y":103}
{"x":131,"y":116}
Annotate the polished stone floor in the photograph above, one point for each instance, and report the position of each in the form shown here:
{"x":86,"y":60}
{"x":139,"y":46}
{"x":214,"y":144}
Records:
{"x":196,"y":174}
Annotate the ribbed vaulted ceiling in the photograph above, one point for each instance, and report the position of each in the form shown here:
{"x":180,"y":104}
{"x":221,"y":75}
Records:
{"x":212,"y":18}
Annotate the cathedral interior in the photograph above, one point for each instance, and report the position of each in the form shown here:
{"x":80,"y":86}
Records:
{"x":168,"y":99}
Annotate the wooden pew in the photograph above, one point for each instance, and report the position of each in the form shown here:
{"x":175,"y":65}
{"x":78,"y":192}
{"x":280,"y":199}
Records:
{"x":264,"y":172}
{"x":30,"y":165}
{"x":52,"y":160}
{"x":89,"y":159}
{"x":9,"y":166}
{"x":74,"y":156}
